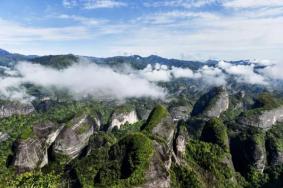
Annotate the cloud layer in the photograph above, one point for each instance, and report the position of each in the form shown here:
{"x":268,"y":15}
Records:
{"x":81,"y":80}
{"x":88,"y":79}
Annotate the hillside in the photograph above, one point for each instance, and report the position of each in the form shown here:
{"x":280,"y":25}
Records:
{"x":73,"y":121}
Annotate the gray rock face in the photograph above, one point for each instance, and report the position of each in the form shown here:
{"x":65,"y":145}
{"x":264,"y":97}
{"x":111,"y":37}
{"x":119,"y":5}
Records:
{"x":180,"y":113}
{"x":15,"y":108}
{"x":119,"y":119}
{"x":277,"y":158}
{"x":213,"y":103}
{"x":29,"y":155}
{"x":47,"y":131}
{"x":265,"y":119}
{"x":249,"y":150}
{"x":180,"y":146}
{"x":74,"y":137}
{"x":260,"y":158}
{"x":165,"y":129}
{"x":221,"y":104}
{"x":3,"y":137}
{"x":32,"y":153}
{"x":158,"y":173}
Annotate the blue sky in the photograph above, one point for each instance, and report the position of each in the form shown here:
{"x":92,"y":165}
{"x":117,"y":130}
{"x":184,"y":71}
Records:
{"x":184,"y":29}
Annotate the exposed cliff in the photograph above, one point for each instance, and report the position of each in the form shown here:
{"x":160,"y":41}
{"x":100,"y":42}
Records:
{"x":74,"y":136}
{"x":120,"y":118}
{"x":180,"y":113}
{"x":274,"y":145}
{"x":248,"y":151}
{"x":160,"y":124}
{"x":14,"y":108}
{"x":261,"y":118}
{"x":157,"y":175}
{"x":31,"y":152}
{"x":215,"y":132}
{"x":213,"y":103}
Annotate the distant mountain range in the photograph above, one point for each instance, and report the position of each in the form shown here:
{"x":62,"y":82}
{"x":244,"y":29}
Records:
{"x":7,"y":58}
{"x":61,"y":61}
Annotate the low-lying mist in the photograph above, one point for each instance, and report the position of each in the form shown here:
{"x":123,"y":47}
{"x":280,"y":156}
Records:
{"x":81,"y":79}
{"x":89,"y":79}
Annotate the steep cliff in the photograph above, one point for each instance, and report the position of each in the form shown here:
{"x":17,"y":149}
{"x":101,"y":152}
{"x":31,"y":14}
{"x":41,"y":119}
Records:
{"x":14,"y":108}
{"x":213,"y":103}
{"x":74,"y":136}
{"x":262,"y":118}
{"x":120,"y":118}
{"x":160,"y":124}
{"x":31,"y":152}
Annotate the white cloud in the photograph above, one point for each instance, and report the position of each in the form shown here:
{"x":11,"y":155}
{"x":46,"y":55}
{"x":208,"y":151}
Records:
{"x":84,"y":20}
{"x":180,"y":3}
{"x":243,"y":73}
{"x":228,"y":34}
{"x":156,"y":73}
{"x":174,"y":16}
{"x":253,"y":3}
{"x":183,"y":73}
{"x":81,"y":80}
{"x":69,"y":3}
{"x":209,"y":75}
{"x":273,"y":71}
{"x":93,"y":4}
{"x":233,"y":36}
{"x":212,"y":76}
{"x":12,"y":32}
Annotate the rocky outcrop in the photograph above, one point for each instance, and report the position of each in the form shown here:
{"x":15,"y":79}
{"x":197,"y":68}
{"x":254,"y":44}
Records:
{"x":264,"y":119}
{"x":181,"y":140}
{"x":180,"y":113}
{"x":165,"y":129}
{"x":158,"y":173}
{"x":276,"y":157}
{"x":3,"y":137}
{"x":29,"y":154}
{"x":274,"y":143}
{"x":15,"y":108}
{"x":215,"y":132}
{"x":74,"y":137}
{"x":213,"y":103}
{"x":119,"y":119}
{"x":180,"y":146}
{"x":45,"y":104}
{"x":47,"y":131}
{"x":248,"y":150}
{"x":160,"y":124}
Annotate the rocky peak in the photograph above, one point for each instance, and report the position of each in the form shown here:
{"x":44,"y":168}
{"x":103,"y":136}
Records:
{"x":160,"y":124}
{"x":213,"y":103}
{"x":158,"y":174}
{"x":215,"y":132}
{"x":180,"y":113}
{"x":47,"y":131}
{"x":29,"y":154}
{"x":248,"y":150}
{"x":14,"y":108}
{"x":181,"y":140}
{"x":120,"y":118}
{"x":74,"y":136}
{"x":261,"y":118}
